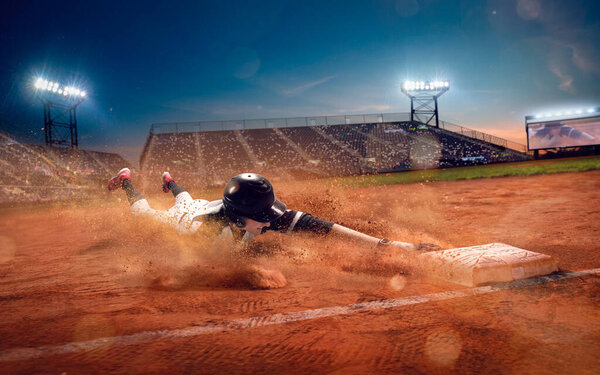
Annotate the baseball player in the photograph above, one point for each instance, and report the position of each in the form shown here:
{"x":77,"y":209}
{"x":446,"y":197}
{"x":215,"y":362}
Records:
{"x":558,"y":134}
{"x":248,"y":208}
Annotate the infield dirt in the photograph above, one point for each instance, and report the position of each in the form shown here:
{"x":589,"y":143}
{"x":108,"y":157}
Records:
{"x":81,"y":271}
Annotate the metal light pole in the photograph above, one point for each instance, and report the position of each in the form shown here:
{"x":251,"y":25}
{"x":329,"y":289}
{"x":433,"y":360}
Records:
{"x":423,"y":99}
{"x":60,"y":116}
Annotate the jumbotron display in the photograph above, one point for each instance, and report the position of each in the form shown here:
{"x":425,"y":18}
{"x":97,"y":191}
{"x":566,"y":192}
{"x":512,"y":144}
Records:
{"x":560,"y":130}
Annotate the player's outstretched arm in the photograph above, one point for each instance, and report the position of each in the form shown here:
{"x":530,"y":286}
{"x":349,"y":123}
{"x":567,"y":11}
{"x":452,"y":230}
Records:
{"x":366,"y":241}
{"x":298,"y":222}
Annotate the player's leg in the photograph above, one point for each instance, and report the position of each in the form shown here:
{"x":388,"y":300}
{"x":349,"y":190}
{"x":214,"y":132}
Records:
{"x":184,"y":206}
{"x":139,"y":204}
{"x":123,"y":180}
{"x":137,"y":201}
{"x":183,"y":199}
{"x":132,"y":194}
{"x":170,"y":185}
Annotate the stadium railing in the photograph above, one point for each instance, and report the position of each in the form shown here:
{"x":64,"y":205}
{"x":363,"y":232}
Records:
{"x":472,"y":133}
{"x":289,"y":122}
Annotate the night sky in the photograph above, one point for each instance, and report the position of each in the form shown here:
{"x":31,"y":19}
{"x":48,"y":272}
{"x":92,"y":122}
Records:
{"x":145,"y":62}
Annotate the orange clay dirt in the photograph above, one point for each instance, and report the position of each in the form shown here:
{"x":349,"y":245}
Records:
{"x":76,"y":272}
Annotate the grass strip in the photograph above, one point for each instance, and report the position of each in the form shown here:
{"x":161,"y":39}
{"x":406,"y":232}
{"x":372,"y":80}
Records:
{"x":527,"y":168}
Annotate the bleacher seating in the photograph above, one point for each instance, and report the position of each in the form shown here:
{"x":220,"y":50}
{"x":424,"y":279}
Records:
{"x":39,"y":173}
{"x":210,"y":158}
{"x":346,"y":135}
{"x":323,"y":153}
{"x":223,"y":154}
{"x":319,"y":150}
{"x":272,"y":151}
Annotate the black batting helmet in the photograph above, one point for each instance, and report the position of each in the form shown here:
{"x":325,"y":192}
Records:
{"x":250,"y":195}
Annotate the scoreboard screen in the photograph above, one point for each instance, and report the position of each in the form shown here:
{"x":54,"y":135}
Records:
{"x":563,"y":133}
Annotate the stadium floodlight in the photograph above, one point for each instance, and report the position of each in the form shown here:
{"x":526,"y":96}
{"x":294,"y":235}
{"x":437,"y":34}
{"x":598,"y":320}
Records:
{"x":60,"y":103}
{"x":423,"y":99}
{"x":425,"y":85}
{"x":40,"y":83}
{"x":52,"y":87}
{"x":591,"y":110}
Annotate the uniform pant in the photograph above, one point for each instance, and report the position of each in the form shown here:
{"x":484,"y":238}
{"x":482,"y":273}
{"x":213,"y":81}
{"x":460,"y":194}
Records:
{"x":180,"y":216}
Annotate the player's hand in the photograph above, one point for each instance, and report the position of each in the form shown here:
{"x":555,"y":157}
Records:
{"x":412,"y":247}
{"x":424,"y":247}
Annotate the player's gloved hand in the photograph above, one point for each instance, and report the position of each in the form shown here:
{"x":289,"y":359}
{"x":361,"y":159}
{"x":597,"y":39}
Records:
{"x":412,"y":247}
{"x":427,"y":247}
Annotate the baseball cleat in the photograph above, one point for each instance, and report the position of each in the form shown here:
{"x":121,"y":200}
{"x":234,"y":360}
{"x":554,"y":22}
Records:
{"x":166,"y":178}
{"x":115,"y":182}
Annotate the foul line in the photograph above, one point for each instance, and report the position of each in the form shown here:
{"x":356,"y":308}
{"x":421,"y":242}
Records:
{"x":22,"y":354}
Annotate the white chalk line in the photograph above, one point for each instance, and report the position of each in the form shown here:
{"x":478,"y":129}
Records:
{"x":21,"y":354}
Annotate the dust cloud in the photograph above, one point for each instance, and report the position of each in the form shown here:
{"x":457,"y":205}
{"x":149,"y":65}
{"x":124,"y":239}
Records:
{"x":150,"y":254}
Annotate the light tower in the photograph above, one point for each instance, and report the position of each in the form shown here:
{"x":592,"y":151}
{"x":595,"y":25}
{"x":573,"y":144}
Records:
{"x":60,"y":117}
{"x":423,"y":99}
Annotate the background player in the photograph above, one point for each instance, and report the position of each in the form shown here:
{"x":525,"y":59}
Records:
{"x":248,"y":208}
{"x":558,"y":134}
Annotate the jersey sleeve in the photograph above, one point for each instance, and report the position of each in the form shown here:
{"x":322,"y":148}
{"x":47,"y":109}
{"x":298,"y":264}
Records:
{"x":298,"y":221}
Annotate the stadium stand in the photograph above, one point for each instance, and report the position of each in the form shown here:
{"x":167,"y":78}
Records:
{"x":272,"y":151}
{"x":185,"y":157}
{"x":40,"y":173}
{"x":223,"y":154}
{"x":317,"y":150}
{"x":328,"y":156}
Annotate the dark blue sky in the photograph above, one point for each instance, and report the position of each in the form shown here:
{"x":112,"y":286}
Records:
{"x":145,"y":62}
